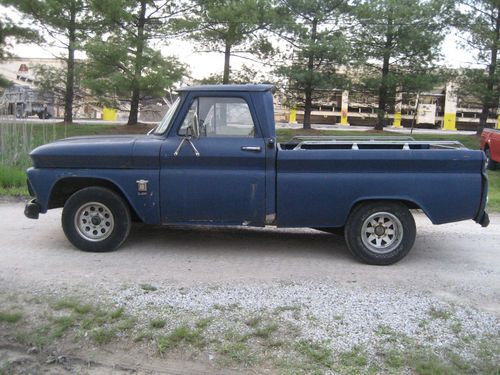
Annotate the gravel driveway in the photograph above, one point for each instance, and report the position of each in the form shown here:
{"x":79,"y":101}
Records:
{"x":300,"y":278}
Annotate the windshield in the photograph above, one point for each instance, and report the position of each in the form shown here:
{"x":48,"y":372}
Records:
{"x":165,"y":122}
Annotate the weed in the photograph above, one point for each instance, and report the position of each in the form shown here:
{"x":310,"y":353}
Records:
{"x":148,"y":287}
{"x":180,"y":335}
{"x":281,"y":309}
{"x":235,"y":336}
{"x":10,"y":317}
{"x":72,"y":304}
{"x":253,"y":321}
{"x":266,"y":331}
{"x":117,"y":313}
{"x":143,"y":335}
{"x":238,"y":352}
{"x":157,"y":323}
{"x":443,"y":314}
{"x":427,"y":363}
{"x":355,"y":357}
{"x":103,"y":335}
{"x":60,"y":325}
{"x":423,"y":323}
{"x":456,"y":328}
{"x":126,"y":324}
{"x":394,"y":359}
{"x":315,"y":353}
{"x":384,"y":330}
{"x":203,"y":323}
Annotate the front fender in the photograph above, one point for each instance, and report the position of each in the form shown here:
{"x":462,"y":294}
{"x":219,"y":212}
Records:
{"x":146,"y":206}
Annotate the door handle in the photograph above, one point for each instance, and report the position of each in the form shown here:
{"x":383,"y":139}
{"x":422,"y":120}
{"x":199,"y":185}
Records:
{"x":251,"y":148}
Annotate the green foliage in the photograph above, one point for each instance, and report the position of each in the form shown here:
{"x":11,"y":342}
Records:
{"x":10,"y":316}
{"x":69,"y":23}
{"x":479,"y":24}
{"x":313,"y":31}
{"x":229,"y":27}
{"x":123,"y":63}
{"x":157,"y":323}
{"x":148,"y":287}
{"x":12,"y":33}
{"x":397,"y":42}
{"x":180,"y":335}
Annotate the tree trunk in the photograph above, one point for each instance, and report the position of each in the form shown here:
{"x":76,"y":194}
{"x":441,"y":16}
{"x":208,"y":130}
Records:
{"x":308,"y":90}
{"x":70,"y":73}
{"x":382,"y":90}
{"x":227,"y":66}
{"x":307,"y":109}
{"x":139,"y":51}
{"x":491,"y":98}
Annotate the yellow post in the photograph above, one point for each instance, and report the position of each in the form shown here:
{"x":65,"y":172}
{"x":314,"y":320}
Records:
{"x":498,"y":118}
{"x":344,"y":110}
{"x":450,"y":108}
{"x":293,"y":116}
{"x":398,"y":108}
{"x":109,"y":114}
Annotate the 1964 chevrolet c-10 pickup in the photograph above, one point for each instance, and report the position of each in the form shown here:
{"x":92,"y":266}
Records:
{"x":214,"y":160}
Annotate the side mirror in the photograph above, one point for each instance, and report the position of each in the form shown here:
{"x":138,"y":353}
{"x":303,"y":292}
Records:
{"x":193,"y":129}
{"x":195,"y":126}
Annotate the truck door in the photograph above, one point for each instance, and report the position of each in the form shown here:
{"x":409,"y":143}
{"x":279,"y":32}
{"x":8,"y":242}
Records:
{"x":213,"y":164}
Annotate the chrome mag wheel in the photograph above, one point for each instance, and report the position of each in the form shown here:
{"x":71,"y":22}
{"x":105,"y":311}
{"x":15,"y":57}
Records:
{"x":382,"y":232}
{"x":94,"y":221}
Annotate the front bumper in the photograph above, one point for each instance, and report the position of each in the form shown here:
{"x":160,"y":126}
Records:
{"x":32,"y":209}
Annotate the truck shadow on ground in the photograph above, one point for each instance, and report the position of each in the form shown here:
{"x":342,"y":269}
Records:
{"x":235,"y":240}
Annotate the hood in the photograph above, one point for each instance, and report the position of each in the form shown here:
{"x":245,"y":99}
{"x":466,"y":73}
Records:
{"x":99,"y":152}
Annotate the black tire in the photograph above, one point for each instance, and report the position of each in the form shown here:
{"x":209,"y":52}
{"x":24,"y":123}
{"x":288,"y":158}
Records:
{"x":112,"y":217}
{"x":396,"y":247}
{"x":490,"y":164}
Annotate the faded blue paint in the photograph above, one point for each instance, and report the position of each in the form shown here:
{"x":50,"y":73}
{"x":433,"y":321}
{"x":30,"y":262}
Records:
{"x":227,"y":185}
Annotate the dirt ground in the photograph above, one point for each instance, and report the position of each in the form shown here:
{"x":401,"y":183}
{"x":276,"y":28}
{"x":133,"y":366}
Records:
{"x":457,"y":263}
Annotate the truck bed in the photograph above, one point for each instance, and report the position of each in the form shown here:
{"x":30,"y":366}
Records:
{"x":320,"y":179}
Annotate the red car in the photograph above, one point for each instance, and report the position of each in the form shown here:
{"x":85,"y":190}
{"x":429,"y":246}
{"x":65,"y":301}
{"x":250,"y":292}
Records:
{"x":490,"y":144}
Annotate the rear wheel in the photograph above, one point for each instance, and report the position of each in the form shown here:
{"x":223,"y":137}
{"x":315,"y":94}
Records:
{"x":96,"y":219}
{"x":490,"y":164}
{"x":380,"y":233}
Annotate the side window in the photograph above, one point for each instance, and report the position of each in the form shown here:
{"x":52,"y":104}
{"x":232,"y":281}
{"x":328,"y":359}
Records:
{"x":218,"y":117}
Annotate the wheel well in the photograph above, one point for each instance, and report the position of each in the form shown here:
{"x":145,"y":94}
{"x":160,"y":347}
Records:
{"x":66,"y":187}
{"x":409,"y":204}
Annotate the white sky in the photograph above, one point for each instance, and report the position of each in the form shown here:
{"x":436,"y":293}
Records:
{"x":204,"y":64}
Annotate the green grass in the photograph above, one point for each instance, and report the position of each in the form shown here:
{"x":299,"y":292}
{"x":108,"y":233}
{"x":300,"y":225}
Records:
{"x":103,"y":335}
{"x":10,"y":316}
{"x":443,"y":314}
{"x":494,"y":191}
{"x":157,"y":323}
{"x":180,"y":335}
{"x":148,"y":287}
{"x":17,"y":139}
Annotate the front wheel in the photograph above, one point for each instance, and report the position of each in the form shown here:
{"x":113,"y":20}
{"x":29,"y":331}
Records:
{"x":380,"y":233}
{"x":96,"y":219}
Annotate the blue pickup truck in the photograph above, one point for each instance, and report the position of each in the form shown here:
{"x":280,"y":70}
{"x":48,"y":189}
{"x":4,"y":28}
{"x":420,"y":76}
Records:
{"x":214,"y":160}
